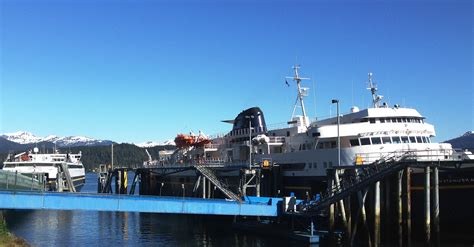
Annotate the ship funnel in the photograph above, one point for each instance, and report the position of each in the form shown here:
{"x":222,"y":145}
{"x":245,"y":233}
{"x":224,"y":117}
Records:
{"x":252,"y":115}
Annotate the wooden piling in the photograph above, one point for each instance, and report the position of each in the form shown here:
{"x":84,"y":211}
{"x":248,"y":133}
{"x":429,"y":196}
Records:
{"x":377,"y":214}
{"x":399,"y":208}
{"x":331,"y":214}
{"x":341,"y":202}
{"x":386,"y":208}
{"x":330,"y":185}
{"x":203,"y":182}
{"x":435,"y":206}
{"x":427,"y":206}
{"x":407,"y":206}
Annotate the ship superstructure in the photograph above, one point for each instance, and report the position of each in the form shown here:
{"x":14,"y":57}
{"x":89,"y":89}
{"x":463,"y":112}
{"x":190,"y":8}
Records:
{"x":304,"y":150}
{"x":33,"y":163}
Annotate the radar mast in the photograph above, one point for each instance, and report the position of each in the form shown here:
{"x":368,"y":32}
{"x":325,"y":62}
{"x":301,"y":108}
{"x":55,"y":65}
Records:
{"x":302,"y":92}
{"x":373,"y":89}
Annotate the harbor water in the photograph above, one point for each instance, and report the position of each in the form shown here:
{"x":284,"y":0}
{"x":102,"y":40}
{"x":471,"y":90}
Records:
{"x":91,"y":228}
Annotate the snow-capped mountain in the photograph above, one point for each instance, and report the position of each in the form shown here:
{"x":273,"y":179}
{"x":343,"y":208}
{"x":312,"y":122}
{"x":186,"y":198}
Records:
{"x":23,"y":137}
{"x":150,"y":144}
{"x":465,"y":141}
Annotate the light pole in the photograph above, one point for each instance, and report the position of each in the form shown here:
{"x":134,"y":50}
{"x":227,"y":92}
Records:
{"x":336,"y":101}
{"x":250,"y":139}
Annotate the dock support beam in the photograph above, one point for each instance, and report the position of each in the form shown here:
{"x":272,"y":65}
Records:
{"x":387,"y":216}
{"x":399,"y":208}
{"x":331,"y":210}
{"x":408,"y":206}
{"x":427,"y":206}
{"x":341,"y":202}
{"x":435,"y":206}
{"x":377,"y":214}
{"x":203,"y":187}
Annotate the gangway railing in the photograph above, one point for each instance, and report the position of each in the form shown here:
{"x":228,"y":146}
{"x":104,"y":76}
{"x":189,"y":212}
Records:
{"x":67,"y":175}
{"x":16,"y":181}
{"x":209,"y":174}
{"x":366,"y":176}
{"x":444,"y":154}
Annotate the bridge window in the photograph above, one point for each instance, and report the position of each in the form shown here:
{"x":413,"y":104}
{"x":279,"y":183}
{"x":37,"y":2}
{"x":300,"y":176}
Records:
{"x":372,"y":120}
{"x":376,"y":140}
{"x":386,"y":140}
{"x":405,"y":139}
{"x":396,"y":139}
{"x":310,"y":165}
{"x":315,"y":165}
{"x":382,"y":120}
{"x":419,"y":139}
{"x":354,"y":142}
{"x":412,"y":139}
{"x":365,"y":141}
{"x":428,"y":140}
{"x":333,"y":145}
{"x":388,"y":120}
{"x":320,"y":145}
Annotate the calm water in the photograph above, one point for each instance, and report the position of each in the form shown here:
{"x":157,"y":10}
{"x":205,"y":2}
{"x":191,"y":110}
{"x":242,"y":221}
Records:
{"x":80,"y":228}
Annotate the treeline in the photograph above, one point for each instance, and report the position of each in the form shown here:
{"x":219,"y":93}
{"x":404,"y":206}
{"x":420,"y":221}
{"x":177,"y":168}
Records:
{"x":125,"y":155}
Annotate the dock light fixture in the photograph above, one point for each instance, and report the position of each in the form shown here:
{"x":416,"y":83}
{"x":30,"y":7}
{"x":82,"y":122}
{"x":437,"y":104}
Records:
{"x":336,"y":101}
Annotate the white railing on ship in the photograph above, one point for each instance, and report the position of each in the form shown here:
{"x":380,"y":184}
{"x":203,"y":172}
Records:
{"x":419,"y":155}
{"x":277,"y":139}
{"x":212,"y":146}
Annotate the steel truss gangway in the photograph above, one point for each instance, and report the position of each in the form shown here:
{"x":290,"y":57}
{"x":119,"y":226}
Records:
{"x":360,"y":179}
{"x":223,"y":187}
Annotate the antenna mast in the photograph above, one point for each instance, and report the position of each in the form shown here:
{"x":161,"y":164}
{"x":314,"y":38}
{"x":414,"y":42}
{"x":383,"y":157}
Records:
{"x":301,"y":93}
{"x":373,"y":89}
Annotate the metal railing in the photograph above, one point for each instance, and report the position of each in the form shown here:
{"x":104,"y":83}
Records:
{"x":363,"y":177}
{"x":16,"y":181}
{"x":419,"y":155}
{"x":224,"y":188}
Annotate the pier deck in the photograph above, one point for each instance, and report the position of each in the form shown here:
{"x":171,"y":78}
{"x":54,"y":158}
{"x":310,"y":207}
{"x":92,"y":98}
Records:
{"x":127,"y":203}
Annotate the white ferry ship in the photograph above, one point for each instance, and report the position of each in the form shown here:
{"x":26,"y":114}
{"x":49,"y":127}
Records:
{"x":50,"y":165}
{"x":304,"y":150}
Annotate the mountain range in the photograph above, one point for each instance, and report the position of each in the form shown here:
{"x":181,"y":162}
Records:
{"x":23,"y":137}
{"x":466,"y":141}
{"x":23,"y":140}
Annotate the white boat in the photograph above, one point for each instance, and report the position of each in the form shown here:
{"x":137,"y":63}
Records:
{"x":32,"y":163}
{"x":304,"y":150}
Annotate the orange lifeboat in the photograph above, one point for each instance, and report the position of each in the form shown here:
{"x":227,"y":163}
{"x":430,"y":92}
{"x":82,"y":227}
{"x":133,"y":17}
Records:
{"x":183,"y":140}
{"x":25,"y":157}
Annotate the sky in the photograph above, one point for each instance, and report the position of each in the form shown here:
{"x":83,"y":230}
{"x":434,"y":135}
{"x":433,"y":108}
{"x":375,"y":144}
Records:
{"x":135,"y":71}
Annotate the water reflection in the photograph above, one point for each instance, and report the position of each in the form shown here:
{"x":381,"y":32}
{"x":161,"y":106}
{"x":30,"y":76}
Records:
{"x":83,"y":228}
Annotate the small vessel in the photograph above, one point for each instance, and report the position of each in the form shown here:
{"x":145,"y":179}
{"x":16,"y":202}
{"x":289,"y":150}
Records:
{"x":191,"y":140}
{"x":34,"y":163}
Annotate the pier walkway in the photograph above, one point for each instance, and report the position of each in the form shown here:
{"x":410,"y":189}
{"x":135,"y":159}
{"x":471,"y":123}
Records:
{"x":251,"y":206}
{"x":16,"y":181}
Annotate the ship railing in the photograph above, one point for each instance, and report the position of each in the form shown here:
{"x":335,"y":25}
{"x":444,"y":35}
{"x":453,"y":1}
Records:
{"x":212,"y":146}
{"x":277,"y":139}
{"x":419,"y":155}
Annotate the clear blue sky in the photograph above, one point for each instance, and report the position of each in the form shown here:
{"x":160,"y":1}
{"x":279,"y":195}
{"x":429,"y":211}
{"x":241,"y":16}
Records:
{"x":134,"y":71}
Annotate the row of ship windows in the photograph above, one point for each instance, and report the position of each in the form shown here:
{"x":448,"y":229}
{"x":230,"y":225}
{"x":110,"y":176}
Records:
{"x":389,"y":140}
{"x":315,"y":165}
{"x":393,"y":120}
